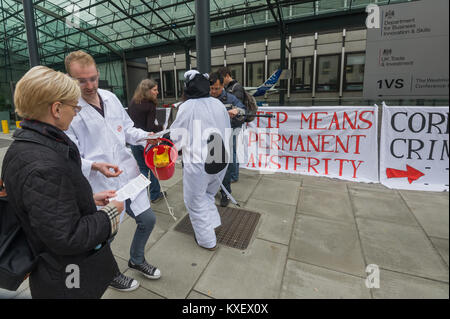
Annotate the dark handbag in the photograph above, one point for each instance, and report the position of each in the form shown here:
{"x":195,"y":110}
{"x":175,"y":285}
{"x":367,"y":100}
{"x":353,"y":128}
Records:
{"x":16,"y":257}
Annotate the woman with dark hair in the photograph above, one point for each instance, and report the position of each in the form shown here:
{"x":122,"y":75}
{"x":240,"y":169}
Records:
{"x":142,"y":111}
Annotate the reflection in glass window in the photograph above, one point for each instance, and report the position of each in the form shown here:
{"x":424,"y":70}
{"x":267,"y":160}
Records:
{"x":155,"y":76}
{"x":255,"y":73}
{"x":301,"y":74}
{"x":180,"y":79}
{"x":237,"y":72}
{"x":169,"y":83}
{"x":328,"y":73}
{"x":273,"y":65}
{"x":354,"y":71}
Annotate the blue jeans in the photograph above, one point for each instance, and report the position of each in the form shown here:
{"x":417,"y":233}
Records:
{"x":145,"y":222}
{"x":235,"y":165}
{"x":155,"y":188}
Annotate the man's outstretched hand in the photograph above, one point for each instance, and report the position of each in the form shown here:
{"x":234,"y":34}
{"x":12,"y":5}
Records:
{"x":107,"y":169}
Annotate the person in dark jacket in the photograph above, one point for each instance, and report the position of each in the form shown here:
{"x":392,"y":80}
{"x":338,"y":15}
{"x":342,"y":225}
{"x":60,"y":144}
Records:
{"x":236,"y":119}
{"x":142,"y":111}
{"x":53,"y":200}
{"x":234,"y":87}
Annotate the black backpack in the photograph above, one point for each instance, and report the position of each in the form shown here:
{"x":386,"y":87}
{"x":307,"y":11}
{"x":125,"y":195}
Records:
{"x":17,"y":259}
{"x":250,"y":104}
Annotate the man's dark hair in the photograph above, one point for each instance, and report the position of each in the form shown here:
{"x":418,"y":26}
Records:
{"x":224,"y":71}
{"x":214,"y":76}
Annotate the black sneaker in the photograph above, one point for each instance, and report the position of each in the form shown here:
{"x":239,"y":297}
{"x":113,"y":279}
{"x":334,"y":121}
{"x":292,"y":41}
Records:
{"x":160,"y":197}
{"x":149,"y":271}
{"x":124,"y":283}
{"x":224,"y":201}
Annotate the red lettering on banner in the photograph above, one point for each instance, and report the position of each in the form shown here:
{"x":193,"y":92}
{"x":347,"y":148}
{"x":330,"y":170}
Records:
{"x":357,"y":142}
{"x":307,"y":119}
{"x":338,"y":141}
{"x":316,"y":120}
{"x":250,"y":133}
{"x":310,"y":141}
{"x":278,"y":118}
{"x":365,"y":120}
{"x":258,"y":118}
{"x":341,"y":164}
{"x":334,"y":121}
{"x":288,"y":141}
{"x":325,"y":143}
{"x":296,"y":163}
{"x":272,"y":142}
{"x":251,"y":160}
{"x":326,"y":165}
{"x":299,"y":142}
{"x":261,"y":139}
{"x":349,"y":121}
{"x":355,"y":168}
{"x":312,"y":165}
{"x":276,"y":163}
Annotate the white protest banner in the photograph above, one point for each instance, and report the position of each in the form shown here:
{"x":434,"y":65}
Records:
{"x":414,"y":150}
{"x":335,"y":141}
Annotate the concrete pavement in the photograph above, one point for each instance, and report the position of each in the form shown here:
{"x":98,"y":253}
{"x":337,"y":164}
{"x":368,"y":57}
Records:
{"x":315,"y":239}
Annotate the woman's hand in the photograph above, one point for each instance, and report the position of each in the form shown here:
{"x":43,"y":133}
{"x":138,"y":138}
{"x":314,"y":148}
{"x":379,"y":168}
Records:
{"x":119,"y":205}
{"x":233,"y":112}
{"x":102,"y":198}
{"x":152,"y":141}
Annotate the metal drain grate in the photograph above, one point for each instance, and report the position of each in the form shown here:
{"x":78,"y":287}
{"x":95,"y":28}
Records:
{"x":236,"y":230}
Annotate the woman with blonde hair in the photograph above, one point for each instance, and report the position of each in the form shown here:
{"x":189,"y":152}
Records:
{"x":51,"y":197}
{"x":142,"y":111}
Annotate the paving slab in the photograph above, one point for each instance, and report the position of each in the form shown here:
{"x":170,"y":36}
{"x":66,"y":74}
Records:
{"x":324,"y":183}
{"x":395,"y":285}
{"x":384,"y":206}
{"x":122,"y":242}
{"x":400,"y":248}
{"x":326,"y":204}
{"x":285,"y":176}
{"x":175,"y":200}
{"x":196,"y":295}
{"x":181,"y":263}
{"x":140,"y":293}
{"x":419,"y":196}
{"x":327,"y":243}
{"x":242,"y":190}
{"x":303,"y":281}
{"x":431,"y":211}
{"x":254,"y":273}
{"x":277,"y":191}
{"x":442,"y":247}
{"x":176,"y":178}
{"x":275,"y":222}
{"x":376,"y":187}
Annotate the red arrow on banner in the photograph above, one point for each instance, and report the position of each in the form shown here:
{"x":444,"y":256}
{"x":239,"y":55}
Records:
{"x":412,"y":173}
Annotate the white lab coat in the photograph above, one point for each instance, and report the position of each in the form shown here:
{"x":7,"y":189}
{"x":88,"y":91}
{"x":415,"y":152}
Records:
{"x":103,"y":139}
{"x":189,"y":133}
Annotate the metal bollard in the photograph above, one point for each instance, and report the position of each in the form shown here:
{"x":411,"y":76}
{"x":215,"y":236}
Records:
{"x":5,"y":126}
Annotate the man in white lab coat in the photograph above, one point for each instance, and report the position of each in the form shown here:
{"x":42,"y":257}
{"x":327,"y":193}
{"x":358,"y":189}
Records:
{"x":101,"y":132}
{"x":201,"y":126}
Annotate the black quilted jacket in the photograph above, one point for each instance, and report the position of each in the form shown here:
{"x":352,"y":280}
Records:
{"x":42,"y":175}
